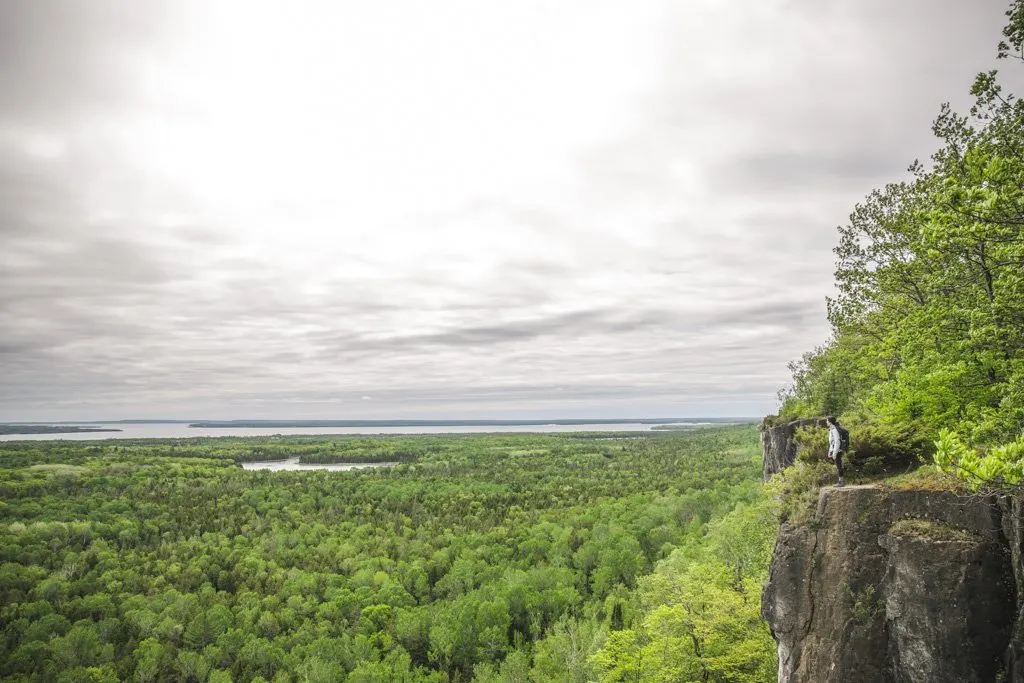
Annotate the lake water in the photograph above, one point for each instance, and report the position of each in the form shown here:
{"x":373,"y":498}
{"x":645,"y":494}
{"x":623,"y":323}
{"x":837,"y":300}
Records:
{"x":294,"y":464}
{"x":183,"y":431}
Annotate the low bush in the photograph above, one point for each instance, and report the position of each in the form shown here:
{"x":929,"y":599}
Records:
{"x":875,"y":450}
{"x":797,"y":489}
{"x":811,"y":444}
{"x":887,"y":449}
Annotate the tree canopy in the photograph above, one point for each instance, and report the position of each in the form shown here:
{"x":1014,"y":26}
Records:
{"x":928,"y":323}
{"x":487,"y":557}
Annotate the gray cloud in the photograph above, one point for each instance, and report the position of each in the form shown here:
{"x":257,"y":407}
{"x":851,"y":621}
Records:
{"x":794,"y":172}
{"x":690,"y":269}
{"x":60,"y":59}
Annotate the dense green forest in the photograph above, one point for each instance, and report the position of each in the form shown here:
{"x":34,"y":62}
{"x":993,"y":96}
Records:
{"x":527,"y":557}
{"x":928,"y":323}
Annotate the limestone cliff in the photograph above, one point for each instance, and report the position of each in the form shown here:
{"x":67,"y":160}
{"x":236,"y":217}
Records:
{"x":779,"y":447}
{"x":899,"y":586}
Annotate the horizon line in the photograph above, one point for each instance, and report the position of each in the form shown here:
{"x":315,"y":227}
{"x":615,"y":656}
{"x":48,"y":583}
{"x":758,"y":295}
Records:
{"x":402,"y":421}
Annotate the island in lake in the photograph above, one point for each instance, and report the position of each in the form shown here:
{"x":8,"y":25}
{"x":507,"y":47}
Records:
{"x":51,"y":429}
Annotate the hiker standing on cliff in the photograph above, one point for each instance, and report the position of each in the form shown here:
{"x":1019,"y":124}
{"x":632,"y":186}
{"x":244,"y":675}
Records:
{"x":838,"y":443}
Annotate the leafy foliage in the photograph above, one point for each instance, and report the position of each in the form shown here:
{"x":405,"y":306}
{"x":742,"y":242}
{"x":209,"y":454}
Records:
{"x":798,"y":489}
{"x":928,"y":324}
{"x":701,"y":616}
{"x":999,"y":466}
{"x":504,"y":557}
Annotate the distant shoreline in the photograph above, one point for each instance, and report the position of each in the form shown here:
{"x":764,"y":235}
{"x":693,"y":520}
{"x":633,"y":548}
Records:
{"x":282,"y":424}
{"x":249,"y":422}
{"x":51,"y":429}
{"x":305,"y":428}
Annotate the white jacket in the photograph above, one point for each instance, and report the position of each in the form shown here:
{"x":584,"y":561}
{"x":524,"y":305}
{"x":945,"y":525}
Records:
{"x":833,"y":441}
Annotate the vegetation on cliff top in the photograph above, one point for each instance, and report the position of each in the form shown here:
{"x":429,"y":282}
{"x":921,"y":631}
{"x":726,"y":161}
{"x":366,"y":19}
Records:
{"x":928,"y":324}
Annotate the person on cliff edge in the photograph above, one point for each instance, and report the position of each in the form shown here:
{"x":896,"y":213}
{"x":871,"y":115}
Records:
{"x":838,"y":443}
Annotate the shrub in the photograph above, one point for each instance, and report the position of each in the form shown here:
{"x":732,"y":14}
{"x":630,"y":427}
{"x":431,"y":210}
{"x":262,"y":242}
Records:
{"x":811,"y":444}
{"x":875,"y":449}
{"x":873,"y":466}
{"x":797,"y":489}
{"x":886,"y":448}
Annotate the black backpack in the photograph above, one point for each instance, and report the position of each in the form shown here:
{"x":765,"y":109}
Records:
{"x":844,"y":439}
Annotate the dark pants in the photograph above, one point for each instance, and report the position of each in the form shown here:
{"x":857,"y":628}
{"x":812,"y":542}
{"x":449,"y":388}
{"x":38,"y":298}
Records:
{"x":839,"y":464}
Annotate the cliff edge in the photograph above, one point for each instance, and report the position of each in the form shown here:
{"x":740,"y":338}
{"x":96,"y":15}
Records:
{"x":779,"y":445}
{"x":900,"y":586}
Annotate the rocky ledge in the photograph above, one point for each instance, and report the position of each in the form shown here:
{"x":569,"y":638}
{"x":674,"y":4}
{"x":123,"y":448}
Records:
{"x":900,"y":586}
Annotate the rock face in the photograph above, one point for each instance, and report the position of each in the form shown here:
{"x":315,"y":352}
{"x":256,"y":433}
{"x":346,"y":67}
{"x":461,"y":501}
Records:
{"x":900,"y":586}
{"x":779,"y":447}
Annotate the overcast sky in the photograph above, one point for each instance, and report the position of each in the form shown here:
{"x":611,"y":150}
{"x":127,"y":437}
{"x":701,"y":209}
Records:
{"x":447,"y":209}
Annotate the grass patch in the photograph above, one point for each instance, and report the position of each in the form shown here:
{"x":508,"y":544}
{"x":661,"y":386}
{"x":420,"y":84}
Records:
{"x":927,"y":530}
{"x":924,"y":479}
{"x":59,"y":469}
{"x":797,"y":490}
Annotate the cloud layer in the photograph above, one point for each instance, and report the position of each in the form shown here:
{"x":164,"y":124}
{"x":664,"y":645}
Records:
{"x":231,"y":210}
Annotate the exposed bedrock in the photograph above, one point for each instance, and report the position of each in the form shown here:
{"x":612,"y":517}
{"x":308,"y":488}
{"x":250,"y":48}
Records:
{"x":779,"y":446}
{"x":901,"y":586}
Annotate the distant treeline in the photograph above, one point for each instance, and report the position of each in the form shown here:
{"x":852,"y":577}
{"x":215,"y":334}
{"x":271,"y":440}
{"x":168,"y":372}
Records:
{"x":50,"y":429}
{"x":281,"y":424}
{"x":308,"y":449}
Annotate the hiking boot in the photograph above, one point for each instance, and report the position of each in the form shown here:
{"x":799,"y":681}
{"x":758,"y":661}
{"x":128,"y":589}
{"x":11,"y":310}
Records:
{"x":840,"y":482}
